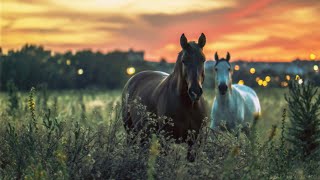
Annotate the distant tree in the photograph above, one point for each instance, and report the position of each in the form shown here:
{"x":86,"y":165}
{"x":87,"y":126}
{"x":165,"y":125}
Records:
{"x":163,"y":61}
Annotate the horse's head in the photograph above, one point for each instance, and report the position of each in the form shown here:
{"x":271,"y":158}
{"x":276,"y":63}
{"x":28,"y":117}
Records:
{"x":193,"y":59}
{"x":223,"y":73}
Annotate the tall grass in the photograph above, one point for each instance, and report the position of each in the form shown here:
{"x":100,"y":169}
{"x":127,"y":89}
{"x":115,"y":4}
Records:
{"x":80,"y":135}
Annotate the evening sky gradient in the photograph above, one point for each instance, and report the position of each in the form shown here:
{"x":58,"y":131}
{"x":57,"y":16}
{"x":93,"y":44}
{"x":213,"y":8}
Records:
{"x":261,"y":30}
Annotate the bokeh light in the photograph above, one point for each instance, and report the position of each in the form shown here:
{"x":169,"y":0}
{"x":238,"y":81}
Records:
{"x":80,"y":71}
{"x":68,"y":62}
{"x":252,"y":70}
{"x":241,"y":82}
{"x":257,"y":79}
{"x":297,"y":77}
{"x":260,"y":82}
{"x":288,"y":77}
{"x":316,"y":68}
{"x":265,"y":83}
{"x":284,"y":84}
{"x":268,"y":78}
{"x":300,"y":81}
{"x":131,"y":70}
{"x":236,"y":67}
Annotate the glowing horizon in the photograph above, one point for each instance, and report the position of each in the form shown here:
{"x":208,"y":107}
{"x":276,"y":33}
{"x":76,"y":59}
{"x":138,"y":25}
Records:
{"x":262,"y":30}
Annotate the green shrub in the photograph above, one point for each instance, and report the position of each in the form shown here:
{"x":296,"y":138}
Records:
{"x":304,"y":113}
{"x":13,"y":105}
{"x":73,"y":140}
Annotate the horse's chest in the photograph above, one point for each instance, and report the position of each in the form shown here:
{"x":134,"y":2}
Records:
{"x":228,"y":112}
{"x":184,"y":118}
{"x":188,"y":120}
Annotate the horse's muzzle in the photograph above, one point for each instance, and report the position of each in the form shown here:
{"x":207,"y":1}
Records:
{"x":223,"y":89}
{"x":195,"y":94}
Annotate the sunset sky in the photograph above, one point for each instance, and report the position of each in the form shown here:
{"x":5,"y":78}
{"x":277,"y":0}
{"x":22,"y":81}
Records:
{"x":262,"y":30}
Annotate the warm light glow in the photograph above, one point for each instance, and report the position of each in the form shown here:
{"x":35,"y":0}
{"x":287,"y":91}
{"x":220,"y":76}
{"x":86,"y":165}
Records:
{"x":68,"y":62}
{"x":284,"y":84}
{"x":268,"y":78}
{"x":313,"y":56}
{"x":236,"y":67}
{"x":288,"y":77}
{"x":131,"y":70}
{"x":265,"y":83}
{"x":252,"y":70}
{"x":257,"y":79}
{"x":80,"y":71}
{"x":316,"y":68}
{"x":125,"y":24}
{"x":241,"y":82}
{"x":260,"y":82}
{"x":300,"y":81}
{"x":297,"y":77}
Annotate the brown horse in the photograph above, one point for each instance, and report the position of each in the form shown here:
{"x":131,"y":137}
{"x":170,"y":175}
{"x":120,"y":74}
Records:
{"x":176,"y":95}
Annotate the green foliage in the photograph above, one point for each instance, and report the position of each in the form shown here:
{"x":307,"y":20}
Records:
{"x":304,"y":130}
{"x":43,"y":96}
{"x":13,"y":104}
{"x":90,"y":142}
{"x":33,"y":66}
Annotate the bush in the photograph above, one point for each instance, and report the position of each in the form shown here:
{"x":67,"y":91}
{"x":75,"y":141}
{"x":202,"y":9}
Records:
{"x":91,"y":143}
{"x":304,"y":130}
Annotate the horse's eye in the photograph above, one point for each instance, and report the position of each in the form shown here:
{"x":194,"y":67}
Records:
{"x":229,"y":69}
{"x":216,"y":69}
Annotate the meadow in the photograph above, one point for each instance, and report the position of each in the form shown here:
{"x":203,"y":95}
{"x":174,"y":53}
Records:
{"x":79,"y":135}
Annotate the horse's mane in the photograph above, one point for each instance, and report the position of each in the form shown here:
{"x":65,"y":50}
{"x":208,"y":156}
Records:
{"x":178,"y":65}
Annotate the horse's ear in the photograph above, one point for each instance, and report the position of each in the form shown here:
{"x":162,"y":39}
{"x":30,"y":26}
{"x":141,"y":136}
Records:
{"x":202,"y":40}
{"x":216,"y":57}
{"x":228,"y":56}
{"x":184,"y":42}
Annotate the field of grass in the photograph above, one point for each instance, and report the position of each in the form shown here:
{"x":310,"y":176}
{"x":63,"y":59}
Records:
{"x":82,"y":137}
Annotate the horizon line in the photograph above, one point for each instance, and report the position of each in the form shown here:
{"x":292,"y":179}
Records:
{"x":75,"y":50}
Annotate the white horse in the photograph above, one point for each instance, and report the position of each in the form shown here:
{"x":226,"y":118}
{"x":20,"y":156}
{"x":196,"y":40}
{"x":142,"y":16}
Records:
{"x":234,"y":104}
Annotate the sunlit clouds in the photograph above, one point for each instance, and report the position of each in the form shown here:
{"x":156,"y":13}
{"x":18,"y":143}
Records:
{"x":262,"y":30}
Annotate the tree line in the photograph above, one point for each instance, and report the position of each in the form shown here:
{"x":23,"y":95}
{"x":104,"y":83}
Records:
{"x":32,"y":66}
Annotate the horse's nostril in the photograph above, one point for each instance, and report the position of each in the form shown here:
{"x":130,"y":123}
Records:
{"x":195,"y":95}
{"x":223,"y":87}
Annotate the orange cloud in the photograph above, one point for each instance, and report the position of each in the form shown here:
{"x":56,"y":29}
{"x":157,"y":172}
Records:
{"x":265,"y":30}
